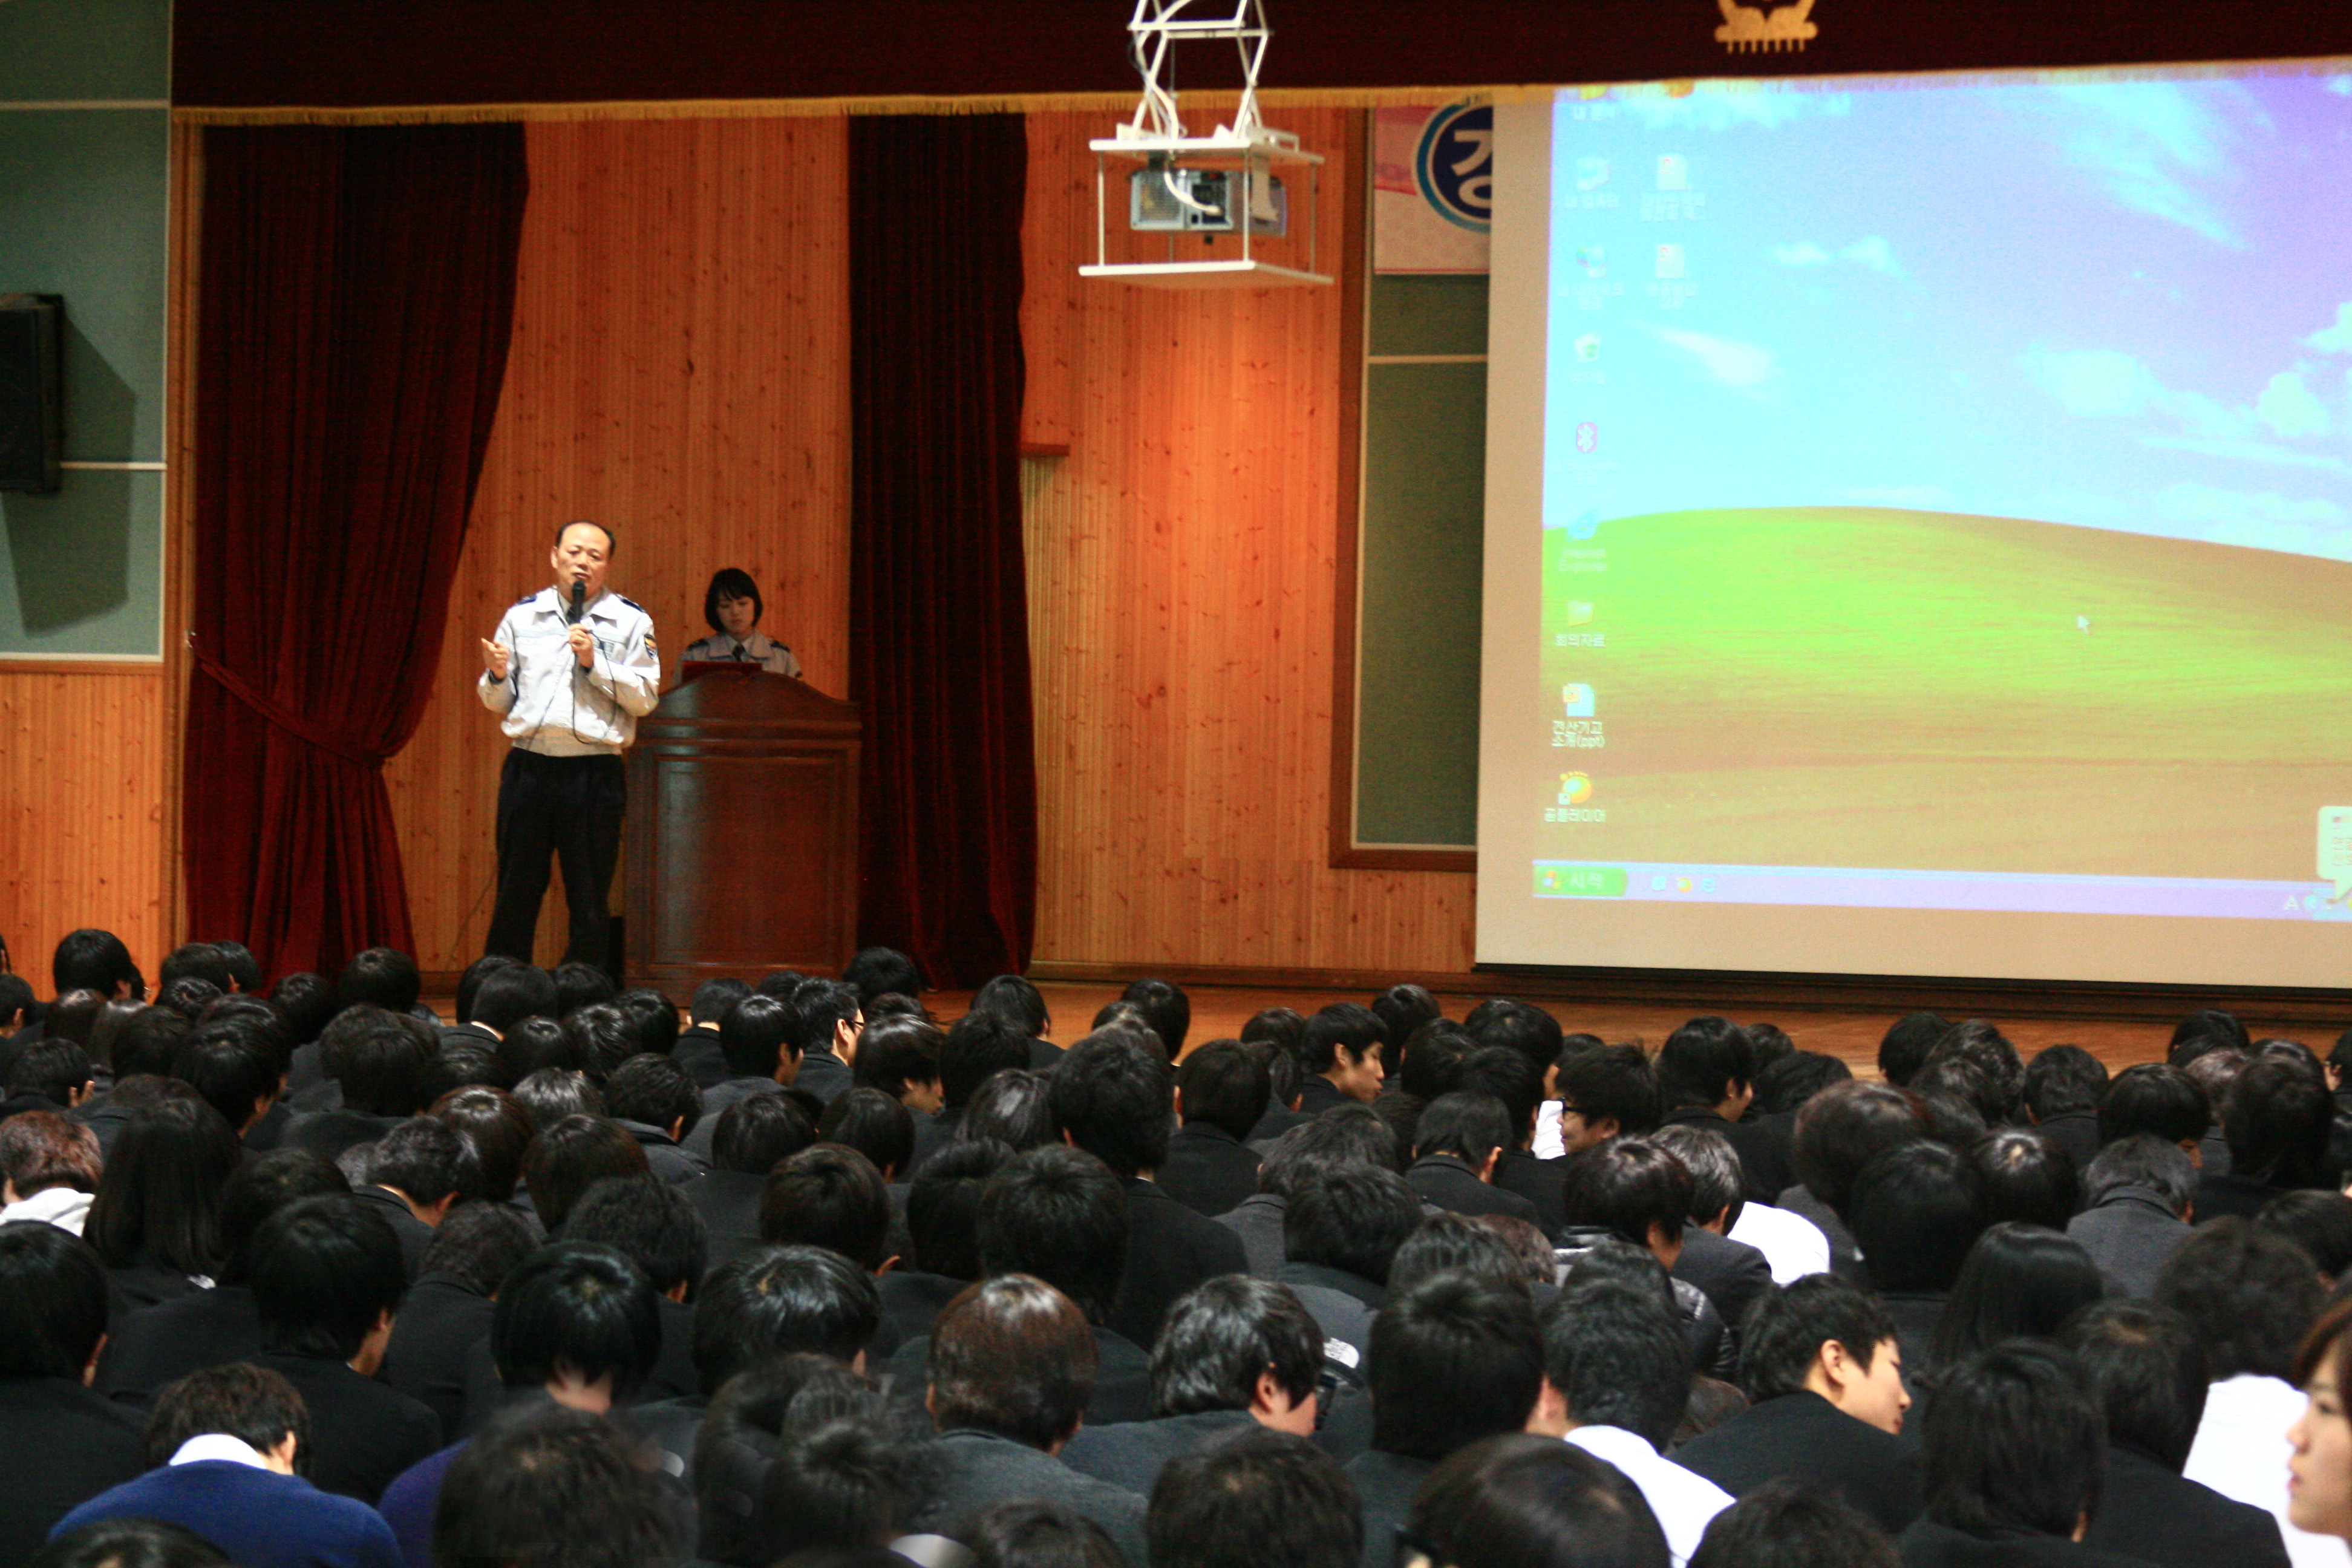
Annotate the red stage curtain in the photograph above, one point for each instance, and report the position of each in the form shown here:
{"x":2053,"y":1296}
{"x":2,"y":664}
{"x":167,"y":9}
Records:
{"x":353,"y":306}
{"x":939,"y":618}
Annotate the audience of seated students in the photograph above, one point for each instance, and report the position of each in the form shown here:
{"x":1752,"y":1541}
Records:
{"x":1221,"y":1093}
{"x":1101,"y":1292}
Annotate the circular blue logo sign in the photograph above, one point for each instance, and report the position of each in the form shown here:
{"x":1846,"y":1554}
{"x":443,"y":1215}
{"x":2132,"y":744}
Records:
{"x":1455,"y":164}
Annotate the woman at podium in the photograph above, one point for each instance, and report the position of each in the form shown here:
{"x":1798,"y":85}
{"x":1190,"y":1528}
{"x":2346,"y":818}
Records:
{"x":732,"y":606}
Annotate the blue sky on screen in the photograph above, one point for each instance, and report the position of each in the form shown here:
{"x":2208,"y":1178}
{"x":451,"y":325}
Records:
{"x":2115,"y":303}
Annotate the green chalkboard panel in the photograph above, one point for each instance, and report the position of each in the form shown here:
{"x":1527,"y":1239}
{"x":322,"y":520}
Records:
{"x":1411,"y":314}
{"x":81,"y":571}
{"x":1420,"y":550}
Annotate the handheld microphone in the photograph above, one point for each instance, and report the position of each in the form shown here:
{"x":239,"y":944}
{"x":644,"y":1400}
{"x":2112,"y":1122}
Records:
{"x":579,"y":597}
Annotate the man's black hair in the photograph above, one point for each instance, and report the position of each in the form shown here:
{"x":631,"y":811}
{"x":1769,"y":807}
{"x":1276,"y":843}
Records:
{"x":93,"y":960}
{"x":553,"y":1487}
{"x":1614,"y":1080}
{"x":1220,"y":1337}
{"x":2277,"y":1116}
{"x":259,"y":1188}
{"x":1979,"y":1043}
{"x":537,"y":1045}
{"x":55,"y":1069}
{"x":18,"y":1004}
{"x":324,"y":1271}
{"x":1626,"y":1186}
{"x":1787,"y":1083}
{"x":2147,"y":1371}
{"x":876,"y":970}
{"x":1846,"y":1126}
{"x":550,"y":1094}
{"x":1013,"y":1356}
{"x":2026,"y":1177}
{"x":53,"y":1302}
{"x":895,"y":1055}
{"x":1704,"y":1062}
{"x":1285,"y":1027}
{"x":580,"y":1307}
{"x":943,"y":1206}
{"x":875,"y":1125}
{"x":469,"y":982}
{"x":1262,"y":1497}
{"x":1519,"y":1026}
{"x":604,"y":1036}
{"x":1453,"y":1360}
{"x":713,"y":997}
{"x":840,"y":1489}
{"x":1514,"y":1080}
{"x":479,"y":1244}
{"x":1116,"y":1099}
{"x":1783,"y":1333}
{"x":1455,"y":1244}
{"x":2154,"y":1098}
{"x":1166,"y":1008}
{"x":385,"y":976}
{"x":1015,"y":1106}
{"x":1014,"y":999}
{"x":819,"y":1007}
{"x":1470,"y":1127}
{"x":2063,"y":1078}
{"x":1619,"y":1356}
{"x":653,"y":1091}
{"x":655,"y":1016}
{"x":128,"y":1543}
{"x":828,"y":1195}
{"x":572,"y":1155}
{"x":427,"y":1160}
{"x":1518,"y":1498}
{"x":2142,"y":1160}
{"x":1223,"y":1086}
{"x":2014,"y":1442}
{"x":463,"y":1064}
{"x":378,"y":1056}
{"x":1347,"y":1026}
{"x":1350,"y":1219}
{"x":1401,"y":1009}
{"x":238,"y":1399}
{"x":199,"y":959}
{"x":188,"y":995}
{"x":1904,"y":1050}
{"x":579,"y":984}
{"x":650,"y":1221}
{"x":497,"y":1128}
{"x":309,"y":1001}
{"x":2248,"y":1294}
{"x":978,"y":1047}
{"x":1060,"y":1215}
{"x":508,"y":996}
{"x":769,"y":1301}
{"x":1718,"y":1178}
{"x":2215,"y":1024}
{"x":760,"y":1131}
{"x":1915,"y":1212}
{"x":2318,"y":1221}
{"x":1342,"y":1136}
{"x":1790,"y":1524}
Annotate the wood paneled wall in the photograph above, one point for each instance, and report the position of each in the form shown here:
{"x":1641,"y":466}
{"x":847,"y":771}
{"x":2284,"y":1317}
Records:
{"x":1182,"y":582}
{"x":82,"y":793}
{"x":680,"y":371}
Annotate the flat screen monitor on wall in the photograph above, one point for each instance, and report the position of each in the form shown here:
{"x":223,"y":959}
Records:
{"x":1919,"y":528}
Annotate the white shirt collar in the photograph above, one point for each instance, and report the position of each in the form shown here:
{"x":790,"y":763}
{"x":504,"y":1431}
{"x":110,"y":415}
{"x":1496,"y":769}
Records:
{"x":219,"y":1446}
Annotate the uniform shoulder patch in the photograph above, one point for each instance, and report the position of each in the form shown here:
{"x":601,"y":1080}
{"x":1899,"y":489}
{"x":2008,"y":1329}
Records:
{"x":526,"y":598}
{"x":630,"y":603}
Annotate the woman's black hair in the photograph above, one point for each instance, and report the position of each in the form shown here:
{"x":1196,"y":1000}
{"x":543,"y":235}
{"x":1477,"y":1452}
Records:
{"x":731,"y":582}
{"x":159,"y":1197}
{"x":2019,"y":1281}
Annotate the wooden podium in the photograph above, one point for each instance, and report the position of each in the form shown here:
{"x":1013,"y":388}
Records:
{"x":742,"y":831}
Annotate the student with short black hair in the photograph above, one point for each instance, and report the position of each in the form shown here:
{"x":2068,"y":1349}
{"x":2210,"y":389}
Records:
{"x":554,"y":1488}
{"x":1349,"y":1135}
{"x":71,"y":1443}
{"x":1453,"y":1360}
{"x":448,"y":1309}
{"x":417,"y":1175}
{"x":759,"y":1035}
{"x":1009,"y":1371}
{"x":382,"y":977}
{"x":2147,"y":1372}
{"x":227,"y":1448}
{"x":900,"y":1057}
{"x":1221,"y":1093}
{"x":875,"y":1125}
{"x":47,"y":1075}
{"x":648,"y":1221}
{"x":1116,"y":1098}
{"x":1014,"y":1108}
{"x":1915,"y":1212}
{"x":829,"y":1195}
{"x":1262,"y":1497}
{"x":748,"y":1140}
{"x":377,"y":1056}
{"x":1820,"y":1364}
{"x":2138,"y":1194}
{"x":2249,"y":1297}
{"x":1461,"y":1140}
{"x":93,"y":960}
{"x":977,"y":1046}
{"x":327,"y":1278}
{"x":2026,"y":1177}
{"x":2156,"y":1097}
{"x":1525,"y":1501}
{"x":1341,"y":1230}
{"x":1165,"y":1008}
{"x":1603,"y":1094}
{"x":1617,"y":1377}
{"x":572,"y":1155}
{"x":654,"y":1099}
{"x":828,"y":1016}
{"x":1340,"y":1048}
{"x":2276,"y":1117}
{"x":1234,"y":1353}
{"x":509,"y":994}
{"x":942,"y":1225}
{"x":1788,"y":1524}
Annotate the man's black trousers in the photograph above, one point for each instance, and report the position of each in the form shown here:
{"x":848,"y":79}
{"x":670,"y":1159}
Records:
{"x":570,"y":807}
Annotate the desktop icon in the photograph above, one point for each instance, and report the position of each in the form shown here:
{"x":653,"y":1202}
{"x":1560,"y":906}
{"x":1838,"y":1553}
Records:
{"x":1673,"y":172}
{"x":1587,"y":347}
{"x":1595,"y":259}
{"x":1575,"y":789}
{"x":1580,"y":612}
{"x":1577,"y":699}
{"x":1587,"y":523}
{"x":1592,"y":173}
{"x":1670,"y":261}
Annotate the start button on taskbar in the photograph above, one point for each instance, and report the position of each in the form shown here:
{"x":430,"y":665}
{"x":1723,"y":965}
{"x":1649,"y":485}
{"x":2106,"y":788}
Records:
{"x":1554,"y":881}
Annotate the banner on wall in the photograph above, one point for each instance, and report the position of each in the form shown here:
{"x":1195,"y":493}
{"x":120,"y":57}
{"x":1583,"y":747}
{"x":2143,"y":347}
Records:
{"x":1433,"y":187}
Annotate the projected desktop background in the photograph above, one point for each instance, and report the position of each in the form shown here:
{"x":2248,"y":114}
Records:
{"x":1948,"y":496}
